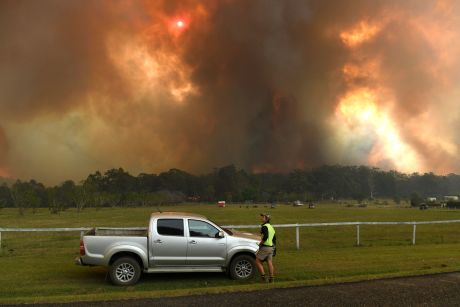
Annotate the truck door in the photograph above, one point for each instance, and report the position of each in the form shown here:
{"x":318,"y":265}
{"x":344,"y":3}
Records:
{"x":168,"y":243}
{"x":205,"y":248}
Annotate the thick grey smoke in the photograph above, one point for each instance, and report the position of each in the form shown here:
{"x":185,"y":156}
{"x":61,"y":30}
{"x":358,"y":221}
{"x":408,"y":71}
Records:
{"x":100,"y":84}
{"x":3,"y":147}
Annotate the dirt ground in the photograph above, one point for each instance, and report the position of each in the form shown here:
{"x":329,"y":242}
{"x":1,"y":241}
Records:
{"x":427,"y":290}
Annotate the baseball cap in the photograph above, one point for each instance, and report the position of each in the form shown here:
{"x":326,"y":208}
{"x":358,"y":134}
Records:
{"x":266,"y":215}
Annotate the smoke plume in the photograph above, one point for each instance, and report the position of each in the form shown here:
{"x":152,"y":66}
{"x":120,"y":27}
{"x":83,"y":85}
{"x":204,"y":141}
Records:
{"x":268,"y":85}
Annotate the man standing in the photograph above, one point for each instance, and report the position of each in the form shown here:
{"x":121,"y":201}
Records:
{"x":266,"y":248}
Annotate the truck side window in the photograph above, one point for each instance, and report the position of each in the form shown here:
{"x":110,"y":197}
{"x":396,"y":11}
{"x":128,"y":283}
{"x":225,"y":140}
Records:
{"x":170,"y":227}
{"x":202,"y":229}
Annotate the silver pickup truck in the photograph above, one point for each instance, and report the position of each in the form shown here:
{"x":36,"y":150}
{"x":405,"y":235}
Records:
{"x":174,"y":242}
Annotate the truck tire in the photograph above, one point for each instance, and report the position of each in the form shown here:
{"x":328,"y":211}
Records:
{"x":242,"y":267}
{"x":125,"y":271}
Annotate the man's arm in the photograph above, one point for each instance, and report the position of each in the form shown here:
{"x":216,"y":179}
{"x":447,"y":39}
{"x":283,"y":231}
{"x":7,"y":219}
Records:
{"x":264,"y":232}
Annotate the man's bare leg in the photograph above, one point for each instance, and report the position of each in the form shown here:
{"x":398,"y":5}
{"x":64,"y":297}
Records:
{"x":260,"y":268}
{"x":271,"y":270}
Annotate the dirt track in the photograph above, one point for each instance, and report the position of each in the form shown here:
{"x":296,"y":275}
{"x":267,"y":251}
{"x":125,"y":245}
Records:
{"x":428,"y":290}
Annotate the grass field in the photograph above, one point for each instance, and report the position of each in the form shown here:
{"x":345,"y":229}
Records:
{"x":38,"y":267}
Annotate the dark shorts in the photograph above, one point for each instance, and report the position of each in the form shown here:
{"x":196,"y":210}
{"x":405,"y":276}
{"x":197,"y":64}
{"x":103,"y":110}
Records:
{"x":265,"y":253}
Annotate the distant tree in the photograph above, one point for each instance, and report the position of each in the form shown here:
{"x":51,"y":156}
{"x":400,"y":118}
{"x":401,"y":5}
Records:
{"x":93,"y":189}
{"x":248,"y":194}
{"x":267,"y":184}
{"x":226,"y":182}
{"x":67,"y":193}
{"x":6,"y":199}
{"x":429,"y":184}
{"x":209,"y":193}
{"x":452,"y":185}
{"x":179,"y":181}
{"x":298,"y":181}
{"x":415,"y":199}
{"x":148,"y":182}
{"x":81,"y":197}
{"x":327,"y":180}
{"x":119,"y":183}
{"x":116,"y":187}
{"x":54,"y":204}
{"x":27,"y":195}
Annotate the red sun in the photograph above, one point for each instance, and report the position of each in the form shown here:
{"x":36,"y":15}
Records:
{"x":180,"y":23}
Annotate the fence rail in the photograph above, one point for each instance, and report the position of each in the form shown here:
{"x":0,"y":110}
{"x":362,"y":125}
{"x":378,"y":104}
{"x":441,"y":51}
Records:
{"x":296,"y":226}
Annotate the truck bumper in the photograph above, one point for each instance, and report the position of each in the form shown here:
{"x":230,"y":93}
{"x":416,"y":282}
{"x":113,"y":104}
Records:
{"x":79,"y":261}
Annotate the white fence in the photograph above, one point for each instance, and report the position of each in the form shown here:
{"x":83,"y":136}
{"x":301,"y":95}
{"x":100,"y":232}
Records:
{"x":296,"y":226}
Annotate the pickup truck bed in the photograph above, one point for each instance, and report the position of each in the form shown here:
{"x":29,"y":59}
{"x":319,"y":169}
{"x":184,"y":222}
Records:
{"x":103,"y":242}
{"x":105,"y":231}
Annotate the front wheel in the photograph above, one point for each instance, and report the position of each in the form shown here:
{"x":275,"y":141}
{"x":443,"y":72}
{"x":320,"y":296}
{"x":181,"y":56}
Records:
{"x":125,"y":271}
{"x":242,"y":267}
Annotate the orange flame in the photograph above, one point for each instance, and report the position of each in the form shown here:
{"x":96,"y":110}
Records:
{"x":360,"y":33}
{"x":359,"y":111}
{"x":363,"y":113}
{"x":359,"y":105}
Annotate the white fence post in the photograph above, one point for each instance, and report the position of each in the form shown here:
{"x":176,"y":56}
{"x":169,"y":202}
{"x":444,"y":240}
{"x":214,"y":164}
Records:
{"x":413,"y":234}
{"x":357,"y":235}
{"x":297,"y":236}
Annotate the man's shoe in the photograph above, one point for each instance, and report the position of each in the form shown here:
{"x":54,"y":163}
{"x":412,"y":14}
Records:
{"x":271,"y":279}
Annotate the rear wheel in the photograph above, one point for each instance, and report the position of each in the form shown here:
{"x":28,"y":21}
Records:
{"x":125,"y":271}
{"x":242,"y":267}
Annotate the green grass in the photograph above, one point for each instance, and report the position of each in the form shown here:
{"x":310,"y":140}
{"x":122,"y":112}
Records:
{"x":38,"y":267}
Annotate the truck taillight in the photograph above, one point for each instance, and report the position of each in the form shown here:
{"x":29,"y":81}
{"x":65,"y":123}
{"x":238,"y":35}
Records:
{"x":82,"y":248}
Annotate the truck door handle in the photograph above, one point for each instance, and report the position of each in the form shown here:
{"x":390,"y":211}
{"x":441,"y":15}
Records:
{"x":158,"y":241}
{"x":192,"y":242}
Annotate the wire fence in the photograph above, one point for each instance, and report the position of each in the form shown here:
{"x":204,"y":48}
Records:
{"x":296,"y":226}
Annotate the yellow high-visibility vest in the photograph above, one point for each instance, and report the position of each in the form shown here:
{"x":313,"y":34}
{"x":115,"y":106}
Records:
{"x":271,"y":234}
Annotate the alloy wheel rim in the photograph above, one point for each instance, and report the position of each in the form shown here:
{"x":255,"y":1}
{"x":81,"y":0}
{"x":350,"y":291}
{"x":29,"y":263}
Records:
{"x":243,"y":268}
{"x":125,"y":272}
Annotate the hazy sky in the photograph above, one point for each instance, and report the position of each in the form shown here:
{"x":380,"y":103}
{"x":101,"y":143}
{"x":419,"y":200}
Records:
{"x":269,"y":85}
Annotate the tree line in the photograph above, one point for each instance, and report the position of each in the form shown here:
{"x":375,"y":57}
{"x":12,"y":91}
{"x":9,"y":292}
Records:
{"x":116,"y":187}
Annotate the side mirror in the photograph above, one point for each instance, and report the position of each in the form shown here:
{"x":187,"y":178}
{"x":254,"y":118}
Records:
{"x":220,"y":235}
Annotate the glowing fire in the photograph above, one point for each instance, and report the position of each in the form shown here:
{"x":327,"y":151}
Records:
{"x":364,"y":111}
{"x":360,"y":114}
{"x":358,"y":106}
{"x":359,"y":34}
{"x":360,"y":111}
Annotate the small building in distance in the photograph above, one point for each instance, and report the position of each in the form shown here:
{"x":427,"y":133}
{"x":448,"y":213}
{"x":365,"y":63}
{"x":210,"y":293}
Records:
{"x":221,"y":203}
